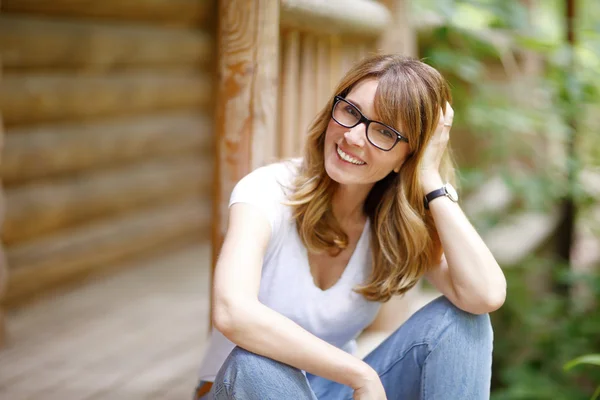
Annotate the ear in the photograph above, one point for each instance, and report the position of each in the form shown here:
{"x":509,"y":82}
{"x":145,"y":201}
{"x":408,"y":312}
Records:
{"x":397,"y":169}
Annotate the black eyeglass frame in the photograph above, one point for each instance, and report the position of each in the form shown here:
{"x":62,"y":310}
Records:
{"x":367,"y":122}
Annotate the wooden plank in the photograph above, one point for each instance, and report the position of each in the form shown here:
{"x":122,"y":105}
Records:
{"x":364,"y":18}
{"x":3,"y":266}
{"x":289,"y":94}
{"x":55,"y":149}
{"x":33,"y":98}
{"x":246,"y":98}
{"x":308,"y":91}
{"x":69,"y":323}
{"x":27,"y":42}
{"x":335,"y":62}
{"x":51,"y":261}
{"x":322,"y":76}
{"x":153,"y":299}
{"x":44,"y":207}
{"x":172,"y":12}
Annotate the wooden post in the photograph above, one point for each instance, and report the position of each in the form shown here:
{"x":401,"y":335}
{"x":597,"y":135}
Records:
{"x":245,"y":123}
{"x":401,"y":36}
{"x":3,"y":266}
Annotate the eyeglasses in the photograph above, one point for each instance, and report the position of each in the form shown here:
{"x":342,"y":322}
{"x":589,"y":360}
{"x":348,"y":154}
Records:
{"x":379,"y":135}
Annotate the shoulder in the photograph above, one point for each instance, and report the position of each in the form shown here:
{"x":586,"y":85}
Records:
{"x":271,"y":182}
{"x":267,"y":188}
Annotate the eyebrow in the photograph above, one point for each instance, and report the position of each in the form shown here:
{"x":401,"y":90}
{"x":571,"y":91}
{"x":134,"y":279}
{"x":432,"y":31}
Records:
{"x":354,"y":103}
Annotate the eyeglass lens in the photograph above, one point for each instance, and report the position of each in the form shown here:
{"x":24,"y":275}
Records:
{"x":380,"y":135}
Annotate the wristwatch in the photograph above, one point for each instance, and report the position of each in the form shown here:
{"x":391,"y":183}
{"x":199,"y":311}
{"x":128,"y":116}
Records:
{"x":446,"y":190}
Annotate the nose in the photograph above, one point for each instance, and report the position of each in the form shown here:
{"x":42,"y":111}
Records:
{"x":356,"y":136}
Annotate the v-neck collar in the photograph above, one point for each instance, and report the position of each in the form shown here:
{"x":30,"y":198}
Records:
{"x":347,"y":270}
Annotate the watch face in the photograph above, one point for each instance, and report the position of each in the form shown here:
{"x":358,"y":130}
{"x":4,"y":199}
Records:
{"x":451,"y":192}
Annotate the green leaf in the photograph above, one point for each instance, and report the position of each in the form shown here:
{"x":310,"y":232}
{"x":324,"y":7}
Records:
{"x":592,"y":359}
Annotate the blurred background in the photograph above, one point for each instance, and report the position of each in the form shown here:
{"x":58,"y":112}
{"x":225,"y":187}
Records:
{"x":126,"y":123}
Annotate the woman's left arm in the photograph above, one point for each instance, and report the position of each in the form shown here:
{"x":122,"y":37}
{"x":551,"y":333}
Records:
{"x":468,"y":273}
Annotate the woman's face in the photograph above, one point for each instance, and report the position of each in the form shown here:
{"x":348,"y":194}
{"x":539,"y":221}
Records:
{"x":349,"y":157}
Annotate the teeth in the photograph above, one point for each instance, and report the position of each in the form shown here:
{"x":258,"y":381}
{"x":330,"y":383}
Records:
{"x":348,"y":158}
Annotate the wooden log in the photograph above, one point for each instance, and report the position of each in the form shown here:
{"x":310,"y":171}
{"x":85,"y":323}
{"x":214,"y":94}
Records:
{"x":28,"y":98}
{"x":74,"y":253}
{"x":57,"y":149}
{"x":171,"y":12}
{"x":246,"y":98}
{"x":43,"y":207}
{"x":27,"y":42}
{"x":289,"y":94}
{"x":356,"y":17}
{"x":308,"y":93}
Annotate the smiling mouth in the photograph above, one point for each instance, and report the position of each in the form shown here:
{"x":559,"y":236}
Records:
{"x":348,"y":158}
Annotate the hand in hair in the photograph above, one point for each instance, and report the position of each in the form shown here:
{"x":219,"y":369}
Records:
{"x":434,"y":152}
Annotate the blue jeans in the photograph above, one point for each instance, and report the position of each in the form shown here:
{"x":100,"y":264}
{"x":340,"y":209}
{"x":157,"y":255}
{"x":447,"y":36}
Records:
{"x":441,"y":352}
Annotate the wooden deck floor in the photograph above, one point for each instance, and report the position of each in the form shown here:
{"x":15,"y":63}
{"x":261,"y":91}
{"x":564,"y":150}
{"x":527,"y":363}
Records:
{"x":136,"y":335}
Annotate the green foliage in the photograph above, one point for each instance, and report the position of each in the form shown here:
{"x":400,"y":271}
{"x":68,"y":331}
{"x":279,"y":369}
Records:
{"x":592,"y":359}
{"x":537,"y":332}
{"x":518,"y":122}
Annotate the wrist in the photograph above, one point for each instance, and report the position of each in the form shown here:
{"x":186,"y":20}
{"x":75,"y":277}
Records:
{"x":431,"y":182}
{"x":363,"y":375}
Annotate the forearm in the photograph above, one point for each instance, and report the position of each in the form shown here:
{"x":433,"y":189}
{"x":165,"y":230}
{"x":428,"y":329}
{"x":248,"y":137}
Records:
{"x":475,"y":275}
{"x":263,"y":331}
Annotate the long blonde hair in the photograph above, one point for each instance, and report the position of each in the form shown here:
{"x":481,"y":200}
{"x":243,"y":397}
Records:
{"x":404,"y":241}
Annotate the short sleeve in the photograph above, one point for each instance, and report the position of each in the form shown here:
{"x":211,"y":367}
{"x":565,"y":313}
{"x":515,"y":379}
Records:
{"x":264,"y":189}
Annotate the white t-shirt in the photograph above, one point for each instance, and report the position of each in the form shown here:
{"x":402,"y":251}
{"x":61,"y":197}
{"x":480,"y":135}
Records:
{"x":337,"y":315}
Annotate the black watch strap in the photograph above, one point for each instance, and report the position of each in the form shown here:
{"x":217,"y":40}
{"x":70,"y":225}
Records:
{"x":434,"y":195}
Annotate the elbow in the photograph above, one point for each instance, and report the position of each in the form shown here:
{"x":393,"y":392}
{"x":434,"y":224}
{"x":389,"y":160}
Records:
{"x":484,"y":303}
{"x":492,"y":301}
{"x":495,"y":301}
{"x":227,"y":316}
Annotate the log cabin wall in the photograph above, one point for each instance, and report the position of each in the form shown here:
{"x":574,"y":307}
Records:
{"x":108,"y":110}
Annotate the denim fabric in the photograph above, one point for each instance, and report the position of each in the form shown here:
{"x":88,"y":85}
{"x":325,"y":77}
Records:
{"x":441,"y":352}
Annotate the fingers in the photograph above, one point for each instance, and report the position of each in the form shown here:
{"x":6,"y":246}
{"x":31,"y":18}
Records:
{"x":448,"y":115}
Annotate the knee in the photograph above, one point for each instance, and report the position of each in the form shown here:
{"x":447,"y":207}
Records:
{"x":237,"y":365}
{"x":246,"y":375}
{"x":474,"y":331}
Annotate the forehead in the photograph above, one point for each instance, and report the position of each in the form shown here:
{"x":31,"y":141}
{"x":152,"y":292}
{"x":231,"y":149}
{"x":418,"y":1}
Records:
{"x":364,"y":93}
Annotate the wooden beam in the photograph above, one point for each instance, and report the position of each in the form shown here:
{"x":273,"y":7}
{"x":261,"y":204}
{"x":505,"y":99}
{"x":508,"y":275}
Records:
{"x":357,"y":17}
{"x":33,"y":98}
{"x":27,"y":42}
{"x":42,"y":208}
{"x":171,"y":12}
{"x":58,"y":149}
{"x":77,"y":252}
{"x":247,"y":96}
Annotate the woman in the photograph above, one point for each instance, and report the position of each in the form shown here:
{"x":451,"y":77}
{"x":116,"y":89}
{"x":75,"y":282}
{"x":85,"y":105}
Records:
{"x":314,"y":246}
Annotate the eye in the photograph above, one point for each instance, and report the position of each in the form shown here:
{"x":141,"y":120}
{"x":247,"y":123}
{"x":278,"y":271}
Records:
{"x":387,"y":133}
{"x":352,"y":111}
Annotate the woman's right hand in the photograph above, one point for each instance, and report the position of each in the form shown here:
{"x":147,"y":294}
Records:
{"x":370,"y":388}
